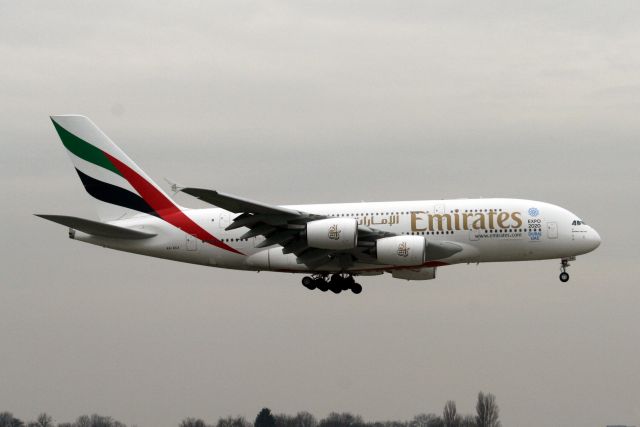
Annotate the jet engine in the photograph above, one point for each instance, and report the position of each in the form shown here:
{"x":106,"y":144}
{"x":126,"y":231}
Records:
{"x":333,"y":233}
{"x":401,"y":250}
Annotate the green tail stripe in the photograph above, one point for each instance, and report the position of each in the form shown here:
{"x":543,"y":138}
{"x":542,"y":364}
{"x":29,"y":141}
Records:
{"x":83,"y":149}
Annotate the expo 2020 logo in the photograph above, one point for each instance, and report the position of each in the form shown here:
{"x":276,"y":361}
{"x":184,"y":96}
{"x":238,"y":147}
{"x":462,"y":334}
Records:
{"x":534,"y":212}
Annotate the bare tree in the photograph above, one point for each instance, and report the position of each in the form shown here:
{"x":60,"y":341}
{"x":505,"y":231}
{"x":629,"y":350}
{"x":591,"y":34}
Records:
{"x":344,"y":419}
{"x":83,"y":421}
{"x":420,"y":420}
{"x":301,"y":419}
{"x":436,"y":422}
{"x":233,"y":422}
{"x":487,"y":411}
{"x":450,"y":417}
{"x":389,"y":424}
{"x":43,"y":420}
{"x":192,"y":422}
{"x":426,"y":420}
{"x":284,"y":420}
{"x":305,"y":419}
{"x":95,"y":420}
{"x":468,"y":421}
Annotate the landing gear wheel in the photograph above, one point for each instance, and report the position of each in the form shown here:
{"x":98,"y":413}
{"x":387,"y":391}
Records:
{"x":564,"y":263}
{"x":335,"y":284}
{"x":308,"y":283}
{"x":356,"y":288}
{"x":347,"y":283}
{"x":321,"y":284}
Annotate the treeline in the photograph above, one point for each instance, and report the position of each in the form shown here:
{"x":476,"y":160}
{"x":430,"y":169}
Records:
{"x":487,"y":414}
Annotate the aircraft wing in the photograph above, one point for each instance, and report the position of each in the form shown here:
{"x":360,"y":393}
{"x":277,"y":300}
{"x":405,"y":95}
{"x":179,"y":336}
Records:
{"x":236,"y":204}
{"x":286,"y":227}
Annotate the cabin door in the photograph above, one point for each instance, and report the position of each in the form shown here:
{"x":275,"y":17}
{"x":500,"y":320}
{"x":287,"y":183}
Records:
{"x":552,"y":230}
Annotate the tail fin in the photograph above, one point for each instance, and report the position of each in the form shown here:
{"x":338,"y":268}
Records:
{"x":120,"y":187}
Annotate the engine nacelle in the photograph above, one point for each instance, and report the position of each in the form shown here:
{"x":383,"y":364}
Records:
{"x":333,"y":233}
{"x":401,"y":250}
{"x":426,"y":273}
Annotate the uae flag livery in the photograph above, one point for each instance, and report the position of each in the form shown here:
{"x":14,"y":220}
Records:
{"x":111,"y":177}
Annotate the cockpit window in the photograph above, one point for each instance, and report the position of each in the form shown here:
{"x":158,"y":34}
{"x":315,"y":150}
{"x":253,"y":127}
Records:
{"x":578,"y":222}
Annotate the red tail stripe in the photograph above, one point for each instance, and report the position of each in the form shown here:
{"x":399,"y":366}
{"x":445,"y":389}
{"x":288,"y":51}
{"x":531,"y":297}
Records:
{"x":164,"y":207}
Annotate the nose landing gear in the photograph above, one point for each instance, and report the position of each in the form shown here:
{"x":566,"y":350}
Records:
{"x":336,"y":284}
{"x":564,"y":264}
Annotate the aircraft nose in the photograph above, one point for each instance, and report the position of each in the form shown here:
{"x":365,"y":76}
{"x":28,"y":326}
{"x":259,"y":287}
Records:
{"x":594,"y":238}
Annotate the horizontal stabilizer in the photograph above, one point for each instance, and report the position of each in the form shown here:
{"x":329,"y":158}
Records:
{"x":97,"y":228}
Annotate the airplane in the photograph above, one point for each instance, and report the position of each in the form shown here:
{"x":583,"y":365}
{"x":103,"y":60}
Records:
{"x":331,"y":244}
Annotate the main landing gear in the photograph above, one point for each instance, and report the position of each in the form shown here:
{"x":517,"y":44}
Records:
{"x":336,"y":284}
{"x":564,"y":264}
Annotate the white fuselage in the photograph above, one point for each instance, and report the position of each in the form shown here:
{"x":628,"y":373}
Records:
{"x":488,"y":230}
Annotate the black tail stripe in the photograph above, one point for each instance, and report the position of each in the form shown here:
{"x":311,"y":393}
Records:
{"x":115,"y":195}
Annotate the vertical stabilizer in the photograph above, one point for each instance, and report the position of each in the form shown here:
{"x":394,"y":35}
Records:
{"x":120,"y":188}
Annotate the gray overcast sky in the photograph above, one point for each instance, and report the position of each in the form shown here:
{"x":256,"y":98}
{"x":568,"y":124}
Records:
{"x":296,"y":102}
